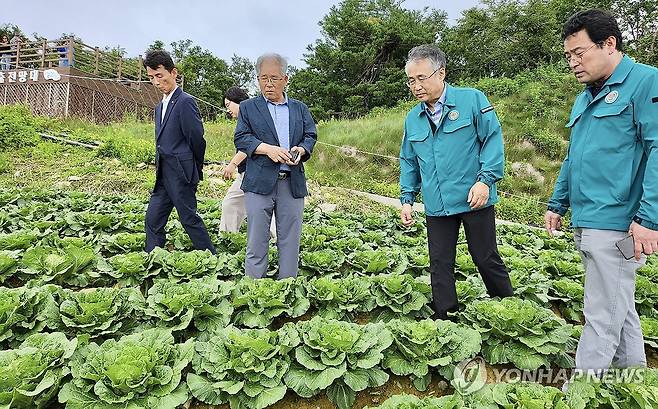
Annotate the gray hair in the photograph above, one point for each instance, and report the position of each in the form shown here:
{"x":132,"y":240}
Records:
{"x":272,"y":57}
{"x":431,"y":52}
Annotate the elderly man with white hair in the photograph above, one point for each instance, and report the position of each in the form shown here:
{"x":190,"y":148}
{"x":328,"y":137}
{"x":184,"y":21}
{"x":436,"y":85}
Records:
{"x":278,"y":134}
{"x":452,"y":151}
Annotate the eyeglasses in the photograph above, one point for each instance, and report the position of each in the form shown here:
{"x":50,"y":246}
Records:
{"x":272,"y":80}
{"x":579,"y":56}
{"x":421,"y":78}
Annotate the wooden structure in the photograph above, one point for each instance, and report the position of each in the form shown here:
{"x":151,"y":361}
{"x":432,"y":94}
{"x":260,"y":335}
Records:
{"x":67,"y":78}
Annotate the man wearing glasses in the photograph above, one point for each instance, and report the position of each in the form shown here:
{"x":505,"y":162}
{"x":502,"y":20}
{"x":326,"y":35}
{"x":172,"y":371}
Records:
{"x":278,"y":134}
{"x":610,"y":180}
{"x":452,"y":152}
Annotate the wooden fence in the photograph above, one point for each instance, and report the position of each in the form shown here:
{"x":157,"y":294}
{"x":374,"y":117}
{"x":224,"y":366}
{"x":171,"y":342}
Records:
{"x":97,"y":85}
{"x":71,"y":53}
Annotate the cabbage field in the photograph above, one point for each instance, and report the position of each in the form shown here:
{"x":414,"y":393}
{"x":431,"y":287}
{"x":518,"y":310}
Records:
{"x":88,"y":320}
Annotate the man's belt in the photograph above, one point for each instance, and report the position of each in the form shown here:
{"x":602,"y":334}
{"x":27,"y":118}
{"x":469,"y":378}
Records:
{"x":284,"y":174}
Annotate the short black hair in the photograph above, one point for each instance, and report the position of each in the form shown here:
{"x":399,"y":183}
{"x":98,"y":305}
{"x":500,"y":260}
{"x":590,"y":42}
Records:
{"x":156,"y":58}
{"x":599,"y":25}
{"x":236,"y":94}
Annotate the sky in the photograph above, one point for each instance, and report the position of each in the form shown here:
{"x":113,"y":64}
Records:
{"x":247,"y":28}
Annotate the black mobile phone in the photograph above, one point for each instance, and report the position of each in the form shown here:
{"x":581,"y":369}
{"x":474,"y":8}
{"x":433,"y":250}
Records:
{"x":295,"y":155}
{"x":627,"y":247}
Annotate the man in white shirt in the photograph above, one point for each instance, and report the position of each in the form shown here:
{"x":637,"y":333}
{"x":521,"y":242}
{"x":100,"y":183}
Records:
{"x":179,"y":154}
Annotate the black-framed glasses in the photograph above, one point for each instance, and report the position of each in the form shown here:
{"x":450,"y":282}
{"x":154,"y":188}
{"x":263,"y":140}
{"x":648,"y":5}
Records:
{"x":421,"y":78}
{"x":579,"y":56}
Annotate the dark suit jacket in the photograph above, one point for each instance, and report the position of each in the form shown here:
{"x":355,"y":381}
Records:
{"x":255,"y":126}
{"x":179,"y":137}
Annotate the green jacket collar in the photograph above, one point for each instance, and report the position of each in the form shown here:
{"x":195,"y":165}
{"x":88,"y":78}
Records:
{"x":618,"y":76}
{"x":621,"y":71}
{"x":419,"y":109}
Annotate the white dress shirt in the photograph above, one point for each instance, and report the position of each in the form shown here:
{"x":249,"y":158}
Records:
{"x":165,"y":102}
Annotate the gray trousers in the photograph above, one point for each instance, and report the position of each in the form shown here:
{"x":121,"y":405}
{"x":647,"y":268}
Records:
{"x":612,"y":334}
{"x":233,"y":209}
{"x":289,"y":212}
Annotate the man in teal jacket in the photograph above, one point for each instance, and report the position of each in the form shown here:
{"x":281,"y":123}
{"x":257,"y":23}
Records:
{"x":452,"y":151}
{"x":610,"y":181}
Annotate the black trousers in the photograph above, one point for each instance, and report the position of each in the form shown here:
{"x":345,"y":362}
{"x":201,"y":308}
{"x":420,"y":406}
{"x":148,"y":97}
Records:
{"x":173,"y":189}
{"x":442,"y":234}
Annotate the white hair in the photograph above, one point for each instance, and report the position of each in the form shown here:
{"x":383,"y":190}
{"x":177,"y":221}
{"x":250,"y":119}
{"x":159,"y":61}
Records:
{"x":431,"y":52}
{"x":278,"y":58}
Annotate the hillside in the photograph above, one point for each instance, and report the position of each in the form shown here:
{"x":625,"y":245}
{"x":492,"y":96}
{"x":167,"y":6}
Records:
{"x":357,"y":154}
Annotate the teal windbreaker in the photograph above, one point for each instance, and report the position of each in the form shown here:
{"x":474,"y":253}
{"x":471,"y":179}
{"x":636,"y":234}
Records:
{"x":467,"y":147}
{"x":610,"y":174}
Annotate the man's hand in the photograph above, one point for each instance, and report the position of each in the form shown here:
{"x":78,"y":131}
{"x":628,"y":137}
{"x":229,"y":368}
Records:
{"x":553,"y":222}
{"x":278,"y":154}
{"x":229,"y":171}
{"x":646,"y":240}
{"x":478,"y":196}
{"x":406,"y":215}
{"x":301,"y":151}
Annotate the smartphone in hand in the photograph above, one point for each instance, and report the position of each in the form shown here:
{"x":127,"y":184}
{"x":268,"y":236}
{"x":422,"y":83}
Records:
{"x":295,"y":155}
{"x":627,"y":247}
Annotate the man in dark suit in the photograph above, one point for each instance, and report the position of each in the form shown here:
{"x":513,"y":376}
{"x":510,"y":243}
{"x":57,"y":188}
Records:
{"x":179,"y":153}
{"x":278,"y":134}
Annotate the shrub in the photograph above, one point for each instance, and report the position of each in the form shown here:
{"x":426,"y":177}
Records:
{"x":18,"y":127}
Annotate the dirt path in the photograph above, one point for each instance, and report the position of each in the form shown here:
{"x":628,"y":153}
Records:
{"x":419,"y":207}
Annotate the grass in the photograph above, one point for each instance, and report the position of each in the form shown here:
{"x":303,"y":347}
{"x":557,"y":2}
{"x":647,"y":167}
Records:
{"x":532,"y":108}
{"x":49,"y":166}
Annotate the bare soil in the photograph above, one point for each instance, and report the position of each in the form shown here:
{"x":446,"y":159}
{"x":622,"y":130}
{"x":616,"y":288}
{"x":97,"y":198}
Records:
{"x":370,"y":397}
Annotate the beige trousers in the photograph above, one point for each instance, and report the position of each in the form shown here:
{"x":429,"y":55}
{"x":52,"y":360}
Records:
{"x":233,"y":209}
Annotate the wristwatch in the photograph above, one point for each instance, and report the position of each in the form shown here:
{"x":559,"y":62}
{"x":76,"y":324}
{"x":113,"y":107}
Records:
{"x":645,"y":223}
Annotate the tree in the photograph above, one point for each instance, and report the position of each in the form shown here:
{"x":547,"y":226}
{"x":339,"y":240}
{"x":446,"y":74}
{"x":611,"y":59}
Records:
{"x":180,"y":49}
{"x":116,"y":51}
{"x":566,"y":8}
{"x":639,"y":24}
{"x":358,"y":64}
{"x":205,"y":75}
{"x":11,"y":30}
{"x":243,"y":72}
{"x":507,"y":37}
{"x":156,"y":45}
{"x":503,"y":38}
{"x":73,"y":36}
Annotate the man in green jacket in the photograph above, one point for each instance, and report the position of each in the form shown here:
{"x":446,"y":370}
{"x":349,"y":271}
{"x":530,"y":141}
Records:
{"x":610,"y":180}
{"x":452,"y":151}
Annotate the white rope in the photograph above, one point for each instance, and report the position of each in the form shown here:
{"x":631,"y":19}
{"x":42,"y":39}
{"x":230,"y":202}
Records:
{"x":347,"y":150}
{"x":223,"y":109}
{"x":105,"y":79}
{"x":523,"y":197}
